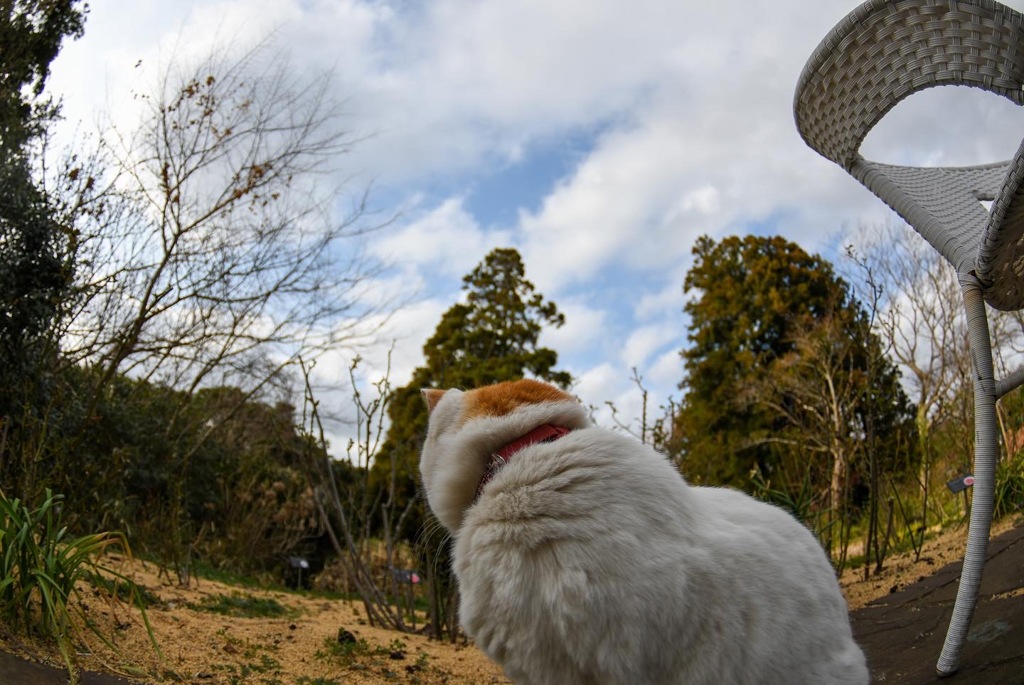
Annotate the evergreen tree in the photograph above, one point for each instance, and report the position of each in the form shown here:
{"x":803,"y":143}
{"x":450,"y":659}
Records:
{"x":36,"y":251}
{"x":769,"y":322}
{"x":491,"y":337}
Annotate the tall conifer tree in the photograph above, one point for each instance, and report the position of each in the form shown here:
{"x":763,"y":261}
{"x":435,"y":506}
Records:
{"x":36,"y":251}
{"x":493,"y":336}
{"x":761,"y":305}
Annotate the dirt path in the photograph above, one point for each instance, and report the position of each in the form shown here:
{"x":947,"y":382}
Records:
{"x":300,"y":645}
{"x":903,"y":569}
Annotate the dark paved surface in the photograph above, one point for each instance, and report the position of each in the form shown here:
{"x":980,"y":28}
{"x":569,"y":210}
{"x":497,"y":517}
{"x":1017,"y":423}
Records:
{"x":902,"y":634}
{"x":17,"y":671}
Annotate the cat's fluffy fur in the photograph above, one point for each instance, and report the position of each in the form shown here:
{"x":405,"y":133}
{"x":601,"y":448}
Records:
{"x":590,"y":559}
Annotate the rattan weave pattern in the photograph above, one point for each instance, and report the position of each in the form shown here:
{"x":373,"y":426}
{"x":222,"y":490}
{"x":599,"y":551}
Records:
{"x":1000,"y":263}
{"x":887,"y":50}
{"x":884,"y":51}
{"x":942,"y":203}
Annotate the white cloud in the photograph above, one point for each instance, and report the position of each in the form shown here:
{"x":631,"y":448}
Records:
{"x":665,"y":374}
{"x":669,"y":300}
{"x":677,"y":169}
{"x":616,"y":400}
{"x":445,"y":239}
{"x":647,"y":341}
{"x":395,"y":352}
{"x":947,"y":127}
{"x":597,"y":384}
{"x":703,"y":200}
{"x":585,"y":332}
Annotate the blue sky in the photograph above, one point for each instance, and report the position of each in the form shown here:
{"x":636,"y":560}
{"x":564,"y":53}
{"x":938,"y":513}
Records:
{"x":600,"y":138}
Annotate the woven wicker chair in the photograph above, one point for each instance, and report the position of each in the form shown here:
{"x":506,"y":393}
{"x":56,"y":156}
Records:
{"x":881,"y":53}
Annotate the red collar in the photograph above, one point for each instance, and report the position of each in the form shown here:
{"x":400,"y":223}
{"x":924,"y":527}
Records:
{"x":545,"y":433}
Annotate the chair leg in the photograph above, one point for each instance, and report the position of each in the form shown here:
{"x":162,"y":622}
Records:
{"x":985,"y":455}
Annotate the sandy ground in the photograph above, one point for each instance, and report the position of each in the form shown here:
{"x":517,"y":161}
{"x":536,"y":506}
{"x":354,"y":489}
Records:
{"x":904,"y":569}
{"x":302,"y":646}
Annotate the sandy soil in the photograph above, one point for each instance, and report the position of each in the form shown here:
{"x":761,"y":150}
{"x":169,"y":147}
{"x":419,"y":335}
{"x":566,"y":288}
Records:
{"x":302,"y":646}
{"x":901,"y":570}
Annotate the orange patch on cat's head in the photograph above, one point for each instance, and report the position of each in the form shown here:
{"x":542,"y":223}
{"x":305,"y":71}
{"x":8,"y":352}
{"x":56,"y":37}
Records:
{"x":503,"y":398}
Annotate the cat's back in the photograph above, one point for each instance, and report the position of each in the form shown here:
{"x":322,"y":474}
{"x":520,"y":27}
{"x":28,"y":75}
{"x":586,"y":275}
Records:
{"x":569,"y":567}
{"x":769,"y":568}
{"x":738,"y":526}
{"x":591,"y":476}
{"x":621,"y":572}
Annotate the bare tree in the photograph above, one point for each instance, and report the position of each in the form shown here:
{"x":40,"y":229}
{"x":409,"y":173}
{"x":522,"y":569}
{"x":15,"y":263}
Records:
{"x":220,"y":254}
{"x":924,"y":324}
{"x":350,"y":511}
{"x":216,"y":245}
{"x":922,"y":321}
{"x":818,"y":392}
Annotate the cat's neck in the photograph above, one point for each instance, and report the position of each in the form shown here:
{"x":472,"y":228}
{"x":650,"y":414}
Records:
{"x":544,"y":433}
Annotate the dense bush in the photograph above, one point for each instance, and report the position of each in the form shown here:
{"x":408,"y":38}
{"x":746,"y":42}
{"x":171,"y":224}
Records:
{"x":212,"y":476}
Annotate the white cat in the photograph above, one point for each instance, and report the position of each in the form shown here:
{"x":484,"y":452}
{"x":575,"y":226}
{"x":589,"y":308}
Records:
{"x":584,"y":557}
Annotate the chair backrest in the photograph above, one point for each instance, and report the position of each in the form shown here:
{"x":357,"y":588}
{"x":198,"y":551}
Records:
{"x":883,"y":52}
{"x":886,"y":50}
{"x":1000,"y":262}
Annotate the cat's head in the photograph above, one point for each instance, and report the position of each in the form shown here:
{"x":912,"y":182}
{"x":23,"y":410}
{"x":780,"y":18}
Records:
{"x":468,"y":427}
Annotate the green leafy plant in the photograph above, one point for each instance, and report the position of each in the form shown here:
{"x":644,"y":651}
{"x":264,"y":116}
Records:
{"x":40,"y":569}
{"x":126,"y":591}
{"x":244,"y":606}
{"x":1009,"y":490}
{"x":343,"y":652}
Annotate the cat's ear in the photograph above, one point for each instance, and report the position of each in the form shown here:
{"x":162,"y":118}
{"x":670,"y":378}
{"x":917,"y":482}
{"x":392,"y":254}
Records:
{"x":432,"y":396}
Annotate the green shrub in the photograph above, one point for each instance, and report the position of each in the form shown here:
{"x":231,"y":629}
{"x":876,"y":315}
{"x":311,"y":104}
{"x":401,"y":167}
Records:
{"x":40,"y":567}
{"x":245,"y":606}
{"x":1009,"y":490}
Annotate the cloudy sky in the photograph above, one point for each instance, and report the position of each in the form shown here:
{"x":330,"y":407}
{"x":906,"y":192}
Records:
{"x":598,"y":137}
